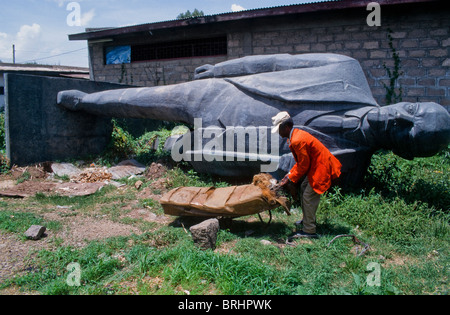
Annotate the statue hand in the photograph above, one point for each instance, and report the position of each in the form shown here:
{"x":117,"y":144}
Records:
{"x":204,"y":72}
{"x":70,"y":99}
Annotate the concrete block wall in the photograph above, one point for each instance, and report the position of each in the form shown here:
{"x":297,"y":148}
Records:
{"x":150,"y":73}
{"x":421,"y":40}
{"x":420,"y":35}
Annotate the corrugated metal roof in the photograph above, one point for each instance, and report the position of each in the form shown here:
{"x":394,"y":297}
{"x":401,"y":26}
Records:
{"x":312,"y":6}
{"x":265,"y":8}
{"x":218,"y":14}
{"x":32,"y":67}
{"x":11,"y":67}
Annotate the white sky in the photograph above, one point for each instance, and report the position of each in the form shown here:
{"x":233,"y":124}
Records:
{"x":39,"y":29}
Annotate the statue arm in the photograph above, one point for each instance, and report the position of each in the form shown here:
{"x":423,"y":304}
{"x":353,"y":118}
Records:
{"x":265,"y":63}
{"x":179,"y":103}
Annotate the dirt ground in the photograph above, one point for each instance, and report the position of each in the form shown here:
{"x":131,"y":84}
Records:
{"x":77,"y":230}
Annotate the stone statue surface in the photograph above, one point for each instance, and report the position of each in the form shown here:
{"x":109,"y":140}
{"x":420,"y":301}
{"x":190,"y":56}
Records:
{"x":327,"y":95}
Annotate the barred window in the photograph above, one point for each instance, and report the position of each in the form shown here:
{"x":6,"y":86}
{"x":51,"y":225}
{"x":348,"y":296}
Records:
{"x":180,"y":49}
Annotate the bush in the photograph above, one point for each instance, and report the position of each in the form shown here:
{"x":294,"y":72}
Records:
{"x":4,"y":162}
{"x":2,"y":132}
{"x":423,"y":179}
{"x":124,"y":146}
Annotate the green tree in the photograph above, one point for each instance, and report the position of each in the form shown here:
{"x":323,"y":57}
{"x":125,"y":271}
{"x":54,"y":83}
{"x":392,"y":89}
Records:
{"x":190,"y":14}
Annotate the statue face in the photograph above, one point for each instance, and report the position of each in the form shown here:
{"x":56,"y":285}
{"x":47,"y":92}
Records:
{"x":413,"y":129}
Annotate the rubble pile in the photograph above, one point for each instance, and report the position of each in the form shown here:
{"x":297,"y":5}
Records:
{"x":92,"y":175}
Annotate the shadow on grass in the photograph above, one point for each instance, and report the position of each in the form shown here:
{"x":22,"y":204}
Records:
{"x":275,"y":231}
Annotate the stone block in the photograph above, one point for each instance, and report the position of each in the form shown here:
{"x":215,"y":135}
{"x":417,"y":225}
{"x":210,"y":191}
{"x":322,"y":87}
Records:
{"x":35,"y":232}
{"x":398,"y":35}
{"x":429,"y":43}
{"x":426,"y":82}
{"x":416,"y":92}
{"x":378,"y":54}
{"x":438,"y":53}
{"x":371,"y":45}
{"x":65,"y":169}
{"x":435,"y":92}
{"x":444,"y":82}
{"x":204,"y":234}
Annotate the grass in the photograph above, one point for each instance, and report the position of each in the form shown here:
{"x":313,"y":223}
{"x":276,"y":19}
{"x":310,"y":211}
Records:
{"x":19,"y":222}
{"x":402,"y":212}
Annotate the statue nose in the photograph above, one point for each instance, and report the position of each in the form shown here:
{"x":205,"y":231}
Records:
{"x":404,"y":118}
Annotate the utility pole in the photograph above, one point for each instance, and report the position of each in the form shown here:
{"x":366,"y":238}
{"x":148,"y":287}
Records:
{"x":14,"y":54}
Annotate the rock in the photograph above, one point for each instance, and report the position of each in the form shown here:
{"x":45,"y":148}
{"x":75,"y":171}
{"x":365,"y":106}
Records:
{"x":204,"y":234}
{"x":65,"y":169}
{"x":35,"y":232}
{"x":131,"y":162}
{"x":121,"y":171}
{"x":266,"y":242}
{"x":138,"y":184}
{"x":92,"y":175}
{"x":6,"y":184}
{"x":155,"y":171}
{"x":77,"y":189}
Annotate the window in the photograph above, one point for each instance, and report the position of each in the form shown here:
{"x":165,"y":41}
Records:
{"x":180,"y":49}
{"x":2,"y":90}
{"x":116,"y":55}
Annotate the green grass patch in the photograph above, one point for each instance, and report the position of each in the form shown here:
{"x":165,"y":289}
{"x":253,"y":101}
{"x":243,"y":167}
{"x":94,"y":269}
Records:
{"x":19,"y":222}
{"x":401,"y":212}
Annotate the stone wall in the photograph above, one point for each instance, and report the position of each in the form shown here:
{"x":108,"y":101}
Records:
{"x":420,"y":34}
{"x":37,"y":130}
{"x":148,"y":73}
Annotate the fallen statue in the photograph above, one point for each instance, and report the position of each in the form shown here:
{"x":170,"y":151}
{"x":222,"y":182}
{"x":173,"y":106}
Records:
{"x":229,"y":108}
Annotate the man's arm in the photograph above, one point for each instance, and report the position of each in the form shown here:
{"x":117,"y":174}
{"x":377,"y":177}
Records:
{"x":302,"y":166}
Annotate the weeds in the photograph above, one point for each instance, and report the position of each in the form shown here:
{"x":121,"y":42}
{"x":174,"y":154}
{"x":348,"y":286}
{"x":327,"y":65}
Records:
{"x":4,"y":162}
{"x":393,"y":95}
{"x":147,"y":148}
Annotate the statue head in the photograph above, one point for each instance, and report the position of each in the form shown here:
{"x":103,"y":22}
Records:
{"x":411,"y":129}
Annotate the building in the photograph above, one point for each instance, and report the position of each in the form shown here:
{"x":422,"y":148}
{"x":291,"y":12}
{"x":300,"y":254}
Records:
{"x":53,"y":71}
{"x":417,"y":31}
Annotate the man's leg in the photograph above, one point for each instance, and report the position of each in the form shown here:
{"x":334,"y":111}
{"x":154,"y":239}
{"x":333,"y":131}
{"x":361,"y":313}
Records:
{"x":310,"y":203}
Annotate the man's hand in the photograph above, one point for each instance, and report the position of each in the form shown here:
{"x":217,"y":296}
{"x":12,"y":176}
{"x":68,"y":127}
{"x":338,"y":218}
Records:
{"x":289,"y":186}
{"x":285,"y":180}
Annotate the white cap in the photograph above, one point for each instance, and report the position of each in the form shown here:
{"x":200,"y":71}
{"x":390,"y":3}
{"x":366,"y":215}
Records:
{"x":277,"y":120}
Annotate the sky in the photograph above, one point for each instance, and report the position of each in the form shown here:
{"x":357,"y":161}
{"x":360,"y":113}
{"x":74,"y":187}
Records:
{"x":39,"y":29}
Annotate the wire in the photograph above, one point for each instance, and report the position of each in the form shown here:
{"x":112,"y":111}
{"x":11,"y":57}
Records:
{"x":66,"y":53}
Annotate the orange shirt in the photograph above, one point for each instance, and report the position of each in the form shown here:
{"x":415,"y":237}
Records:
{"x":313,"y":159}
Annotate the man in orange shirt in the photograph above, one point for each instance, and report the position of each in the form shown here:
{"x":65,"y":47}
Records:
{"x":314,"y":170}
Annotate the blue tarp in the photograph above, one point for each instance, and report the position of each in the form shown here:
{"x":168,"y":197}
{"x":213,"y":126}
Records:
{"x":117,"y":55}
